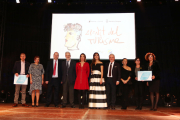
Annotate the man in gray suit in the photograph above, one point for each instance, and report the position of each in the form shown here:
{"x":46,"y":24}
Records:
{"x":68,"y":79}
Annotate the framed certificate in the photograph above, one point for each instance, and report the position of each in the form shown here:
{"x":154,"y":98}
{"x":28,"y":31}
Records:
{"x":144,"y":75}
{"x":20,"y":80}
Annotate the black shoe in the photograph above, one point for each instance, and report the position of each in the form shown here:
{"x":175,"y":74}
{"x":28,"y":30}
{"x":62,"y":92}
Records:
{"x":155,"y":110}
{"x":137,"y":108}
{"x":46,"y":105}
{"x":37,"y":105}
{"x":33,"y":105}
{"x":63,"y":106}
{"x":72,"y":106}
{"x":124,"y":108}
{"x":113,"y":108}
{"x":140,"y":108}
{"x":57,"y":106}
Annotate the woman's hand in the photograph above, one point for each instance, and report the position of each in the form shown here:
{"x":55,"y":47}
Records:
{"x":30,"y":81}
{"x":136,"y":78}
{"x":101,"y":81}
{"x":147,"y":84}
{"x":42,"y":82}
{"x":153,"y":77}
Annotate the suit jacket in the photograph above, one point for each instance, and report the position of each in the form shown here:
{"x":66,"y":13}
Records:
{"x":71,"y":72}
{"x":17,"y":67}
{"x":116,"y":72}
{"x":155,"y":69}
{"x":49,"y":70}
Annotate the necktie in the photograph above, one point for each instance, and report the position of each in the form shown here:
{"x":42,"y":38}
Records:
{"x":67,"y":65}
{"x":110,"y":69}
{"x":54,"y":71}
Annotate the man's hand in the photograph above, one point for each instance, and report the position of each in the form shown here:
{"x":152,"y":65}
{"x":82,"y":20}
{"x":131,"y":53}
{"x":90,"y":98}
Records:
{"x":117,"y":82}
{"x":61,"y":82}
{"x":47,"y":82}
{"x":153,"y":77}
{"x":17,"y":74}
{"x":27,"y":75}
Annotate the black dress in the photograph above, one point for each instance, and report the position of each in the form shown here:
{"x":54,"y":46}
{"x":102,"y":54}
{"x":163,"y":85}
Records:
{"x":125,"y":87}
{"x":97,"y":91}
{"x":138,"y":86}
{"x":154,"y":84}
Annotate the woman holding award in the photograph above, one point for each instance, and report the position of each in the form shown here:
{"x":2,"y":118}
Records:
{"x":153,"y":66}
{"x":36,"y":72}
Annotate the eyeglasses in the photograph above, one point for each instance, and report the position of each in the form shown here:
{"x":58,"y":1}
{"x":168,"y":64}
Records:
{"x":150,"y":56}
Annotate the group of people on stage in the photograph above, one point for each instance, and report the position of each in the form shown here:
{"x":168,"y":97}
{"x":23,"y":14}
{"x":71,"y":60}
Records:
{"x":102,"y":84}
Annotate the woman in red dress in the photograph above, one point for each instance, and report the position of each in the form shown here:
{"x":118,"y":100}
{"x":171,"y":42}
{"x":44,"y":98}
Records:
{"x":81,"y":84}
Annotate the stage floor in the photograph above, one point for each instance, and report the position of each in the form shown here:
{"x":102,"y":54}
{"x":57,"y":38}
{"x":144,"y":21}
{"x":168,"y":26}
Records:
{"x":7,"y":112}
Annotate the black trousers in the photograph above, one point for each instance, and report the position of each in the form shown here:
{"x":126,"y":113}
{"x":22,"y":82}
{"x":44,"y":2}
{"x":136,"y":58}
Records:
{"x":138,"y":89}
{"x":125,"y":93}
{"x":68,"y":87}
{"x":111,"y":92}
{"x":54,"y":83}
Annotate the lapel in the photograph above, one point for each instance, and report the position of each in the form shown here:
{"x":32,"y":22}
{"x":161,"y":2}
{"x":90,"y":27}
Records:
{"x":20,"y":65}
{"x":113,"y":67}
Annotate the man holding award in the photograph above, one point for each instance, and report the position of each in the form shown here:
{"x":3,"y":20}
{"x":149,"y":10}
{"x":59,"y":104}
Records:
{"x":21,"y":68}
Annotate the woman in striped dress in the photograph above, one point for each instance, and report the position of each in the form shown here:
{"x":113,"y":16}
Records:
{"x":97,"y":91}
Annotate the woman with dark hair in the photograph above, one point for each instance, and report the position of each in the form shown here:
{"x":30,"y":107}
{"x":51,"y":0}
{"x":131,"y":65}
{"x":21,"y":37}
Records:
{"x":36,"y":72}
{"x":81,"y":83}
{"x":125,"y":78}
{"x":97,"y":93}
{"x":138,"y":85}
{"x":153,"y":66}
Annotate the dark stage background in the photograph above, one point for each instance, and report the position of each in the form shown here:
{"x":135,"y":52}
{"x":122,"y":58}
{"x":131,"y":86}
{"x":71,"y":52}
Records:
{"x":28,"y":30}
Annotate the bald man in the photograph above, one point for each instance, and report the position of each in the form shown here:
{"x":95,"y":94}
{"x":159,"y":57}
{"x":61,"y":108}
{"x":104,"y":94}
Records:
{"x":53,"y":79}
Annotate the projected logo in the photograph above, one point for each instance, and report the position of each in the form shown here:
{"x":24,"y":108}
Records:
{"x":73,"y":35}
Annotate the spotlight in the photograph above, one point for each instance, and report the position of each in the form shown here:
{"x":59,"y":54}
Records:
{"x":49,"y":1}
{"x":138,"y":0}
{"x":17,"y":1}
{"x":176,"y":0}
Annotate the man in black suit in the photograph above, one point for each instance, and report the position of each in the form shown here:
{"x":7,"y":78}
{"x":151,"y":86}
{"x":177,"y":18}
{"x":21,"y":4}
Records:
{"x":21,"y":68}
{"x":68,"y":79}
{"x":112,"y":78}
{"x":53,"y":79}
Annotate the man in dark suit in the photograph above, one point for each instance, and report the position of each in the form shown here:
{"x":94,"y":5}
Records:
{"x":112,"y":78}
{"x":68,"y":79}
{"x":21,"y":68}
{"x":53,"y":79}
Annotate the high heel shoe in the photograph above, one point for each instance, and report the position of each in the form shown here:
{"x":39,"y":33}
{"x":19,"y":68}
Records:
{"x":33,"y":105}
{"x":37,"y":105}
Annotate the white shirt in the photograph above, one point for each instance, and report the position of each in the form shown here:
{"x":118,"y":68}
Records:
{"x":22,"y":68}
{"x":56,"y":75}
{"x":111,"y":69}
{"x":68,"y":62}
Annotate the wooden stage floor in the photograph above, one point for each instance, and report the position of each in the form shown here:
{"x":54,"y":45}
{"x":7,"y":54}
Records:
{"x":7,"y":112}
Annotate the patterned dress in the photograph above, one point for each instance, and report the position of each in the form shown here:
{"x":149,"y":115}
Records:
{"x":36,"y":71}
{"x":97,"y":91}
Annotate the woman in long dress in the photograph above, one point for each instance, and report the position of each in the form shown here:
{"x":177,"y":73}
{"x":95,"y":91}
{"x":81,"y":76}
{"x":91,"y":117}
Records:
{"x":36,"y":72}
{"x":125,"y":78}
{"x":81,"y":83}
{"x":97,"y":93}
